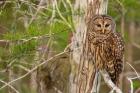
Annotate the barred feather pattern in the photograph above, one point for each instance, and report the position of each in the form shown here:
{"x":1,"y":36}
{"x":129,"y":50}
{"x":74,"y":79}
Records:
{"x":107,"y":53}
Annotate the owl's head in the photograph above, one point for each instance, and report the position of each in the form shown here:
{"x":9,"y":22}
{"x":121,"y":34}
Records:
{"x":102,"y":24}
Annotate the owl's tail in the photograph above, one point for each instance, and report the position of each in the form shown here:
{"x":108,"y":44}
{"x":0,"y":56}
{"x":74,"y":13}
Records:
{"x":114,"y":68}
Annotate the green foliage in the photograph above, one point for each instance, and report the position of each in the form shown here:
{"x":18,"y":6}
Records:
{"x":132,"y":9}
{"x":23,"y":48}
{"x":136,"y":84}
{"x":35,"y":30}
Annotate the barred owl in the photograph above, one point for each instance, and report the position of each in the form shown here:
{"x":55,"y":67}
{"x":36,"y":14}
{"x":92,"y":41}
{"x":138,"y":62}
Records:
{"x":106,"y":46}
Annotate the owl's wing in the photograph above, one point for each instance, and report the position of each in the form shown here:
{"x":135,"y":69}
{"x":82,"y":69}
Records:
{"x":116,"y":52}
{"x":118,"y":46}
{"x":115,"y":46}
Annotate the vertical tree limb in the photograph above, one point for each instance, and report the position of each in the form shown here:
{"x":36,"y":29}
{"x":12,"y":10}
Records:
{"x":77,"y":42}
{"x":87,"y":77}
{"x":85,"y":72}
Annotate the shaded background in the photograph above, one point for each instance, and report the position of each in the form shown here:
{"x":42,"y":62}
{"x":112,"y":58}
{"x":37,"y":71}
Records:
{"x":32,"y":30}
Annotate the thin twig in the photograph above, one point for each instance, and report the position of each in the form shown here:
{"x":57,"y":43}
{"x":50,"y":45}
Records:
{"x":10,"y":86}
{"x":131,"y":78}
{"x":62,"y":15}
{"x":33,"y":69}
{"x":22,"y":67}
{"x":25,"y":40}
{"x":134,"y":70}
{"x":38,"y":9}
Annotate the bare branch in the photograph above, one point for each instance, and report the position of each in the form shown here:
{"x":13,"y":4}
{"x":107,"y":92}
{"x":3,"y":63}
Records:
{"x":22,"y":67}
{"x":131,"y":78}
{"x":40,"y":6}
{"x":10,"y":86}
{"x":25,"y":40}
{"x":138,"y":76}
{"x":33,"y":69}
{"x":109,"y":82}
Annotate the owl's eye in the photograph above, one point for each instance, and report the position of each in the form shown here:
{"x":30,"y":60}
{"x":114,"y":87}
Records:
{"x":107,"y":25}
{"x":98,"y":25}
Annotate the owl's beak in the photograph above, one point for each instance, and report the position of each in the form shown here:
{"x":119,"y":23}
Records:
{"x":103,"y":31}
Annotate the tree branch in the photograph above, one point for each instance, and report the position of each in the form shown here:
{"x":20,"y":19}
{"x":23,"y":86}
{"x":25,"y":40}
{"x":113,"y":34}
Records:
{"x":33,"y":69}
{"x":10,"y":86}
{"x":109,"y":82}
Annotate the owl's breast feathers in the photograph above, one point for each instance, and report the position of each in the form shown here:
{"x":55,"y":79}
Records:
{"x":110,"y":53}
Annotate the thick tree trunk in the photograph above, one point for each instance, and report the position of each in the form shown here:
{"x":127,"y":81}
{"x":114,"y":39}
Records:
{"x":85,"y":75}
{"x":77,"y":40}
